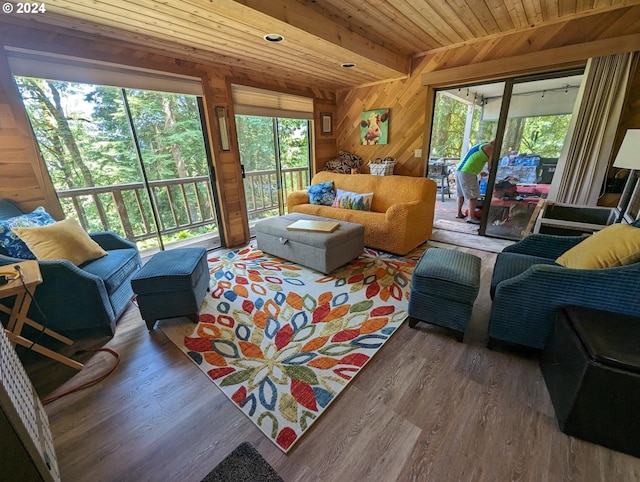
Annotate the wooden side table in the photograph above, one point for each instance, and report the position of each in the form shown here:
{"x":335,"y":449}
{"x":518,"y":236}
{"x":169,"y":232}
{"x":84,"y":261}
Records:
{"x":29,"y":279}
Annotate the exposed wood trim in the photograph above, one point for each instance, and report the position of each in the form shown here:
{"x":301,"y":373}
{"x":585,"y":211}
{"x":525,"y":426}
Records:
{"x":524,"y":31}
{"x":311,"y":22}
{"x":10,"y":92}
{"x":105,"y":50}
{"x":229,"y":183}
{"x":373,"y":84}
{"x":561,"y":57}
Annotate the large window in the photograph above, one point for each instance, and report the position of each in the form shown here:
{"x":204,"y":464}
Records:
{"x":128,"y":160}
{"x":275,"y":155}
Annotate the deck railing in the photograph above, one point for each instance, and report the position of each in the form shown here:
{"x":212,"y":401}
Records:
{"x":183,"y":204}
{"x":261,"y":188}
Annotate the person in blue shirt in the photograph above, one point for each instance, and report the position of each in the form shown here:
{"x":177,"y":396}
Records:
{"x":467,"y":173}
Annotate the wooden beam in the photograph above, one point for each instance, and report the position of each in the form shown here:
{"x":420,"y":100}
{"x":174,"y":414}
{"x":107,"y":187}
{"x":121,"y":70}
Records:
{"x":26,"y":151}
{"x":311,"y":22}
{"x":561,"y":57}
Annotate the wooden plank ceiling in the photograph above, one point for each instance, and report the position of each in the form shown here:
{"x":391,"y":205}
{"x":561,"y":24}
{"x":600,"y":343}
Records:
{"x":379,"y":36}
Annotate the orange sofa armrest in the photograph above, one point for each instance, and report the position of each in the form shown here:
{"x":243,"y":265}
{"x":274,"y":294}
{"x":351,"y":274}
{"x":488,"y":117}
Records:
{"x":410,"y":212}
{"x":297,"y":197}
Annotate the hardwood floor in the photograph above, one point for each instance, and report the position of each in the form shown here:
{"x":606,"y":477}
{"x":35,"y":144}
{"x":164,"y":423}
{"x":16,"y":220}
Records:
{"x":426,"y":408}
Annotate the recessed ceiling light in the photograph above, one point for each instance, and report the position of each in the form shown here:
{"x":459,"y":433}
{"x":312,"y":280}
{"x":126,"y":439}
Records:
{"x":273,"y":37}
{"x":348,"y":65}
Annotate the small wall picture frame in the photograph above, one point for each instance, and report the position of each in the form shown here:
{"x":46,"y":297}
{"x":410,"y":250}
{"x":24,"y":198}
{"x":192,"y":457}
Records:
{"x":326,"y":123}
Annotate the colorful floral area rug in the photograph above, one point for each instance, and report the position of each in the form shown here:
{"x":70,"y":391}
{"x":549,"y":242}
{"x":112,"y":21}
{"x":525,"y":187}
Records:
{"x":282,"y":341}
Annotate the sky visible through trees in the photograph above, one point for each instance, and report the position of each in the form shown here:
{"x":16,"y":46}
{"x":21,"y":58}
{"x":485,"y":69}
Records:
{"x":86,"y":140}
{"x":542,"y":135}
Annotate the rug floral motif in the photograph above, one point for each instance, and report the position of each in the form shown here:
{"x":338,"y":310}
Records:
{"x":282,"y":341}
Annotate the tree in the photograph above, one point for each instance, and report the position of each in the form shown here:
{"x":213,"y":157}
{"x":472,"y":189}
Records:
{"x":294,"y":142}
{"x":449,"y":121}
{"x":513,"y":135}
{"x":85,"y":135}
{"x":55,"y":129}
{"x":256,"y":143}
{"x":545,"y":135}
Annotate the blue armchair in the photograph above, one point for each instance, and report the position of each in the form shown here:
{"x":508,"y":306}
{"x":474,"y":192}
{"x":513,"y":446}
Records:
{"x":92,"y":295}
{"x":528,"y":286}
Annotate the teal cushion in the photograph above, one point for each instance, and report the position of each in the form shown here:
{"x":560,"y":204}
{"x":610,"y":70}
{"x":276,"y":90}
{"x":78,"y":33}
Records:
{"x":353,"y":200}
{"x":10,"y":241}
{"x":321,"y":193}
{"x":115,"y":268}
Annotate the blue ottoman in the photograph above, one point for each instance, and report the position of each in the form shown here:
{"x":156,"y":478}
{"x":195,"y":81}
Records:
{"x":172,"y":283}
{"x":444,"y":287}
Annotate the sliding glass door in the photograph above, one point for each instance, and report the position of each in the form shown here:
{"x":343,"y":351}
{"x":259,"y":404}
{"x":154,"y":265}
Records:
{"x":275,"y":154}
{"x":529,"y":118}
{"x":535,"y":128}
{"x":131,"y":161}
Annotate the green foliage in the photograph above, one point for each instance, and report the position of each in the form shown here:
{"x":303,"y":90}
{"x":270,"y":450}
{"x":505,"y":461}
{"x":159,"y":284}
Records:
{"x":448,"y":127}
{"x":257,"y":145}
{"x":545,"y":135}
{"x":449,"y":120}
{"x":542,"y":135}
{"x":86,"y":140}
{"x":256,"y":142}
{"x":293,"y":135}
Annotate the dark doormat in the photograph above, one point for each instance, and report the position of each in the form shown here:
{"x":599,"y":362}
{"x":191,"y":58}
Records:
{"x":244,"y":464}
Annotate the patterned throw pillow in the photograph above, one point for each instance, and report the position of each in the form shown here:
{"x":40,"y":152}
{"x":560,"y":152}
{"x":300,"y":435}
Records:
{"x":10,"y":242}
{"x":62,"y":240}
{"x":321,"y":193}
{"x":353,"y":200}
{"x":346,"y":163}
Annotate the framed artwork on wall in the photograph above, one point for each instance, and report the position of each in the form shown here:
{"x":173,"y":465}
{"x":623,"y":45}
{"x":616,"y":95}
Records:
{"x":374,"y":127}
{"x":326,"y":122}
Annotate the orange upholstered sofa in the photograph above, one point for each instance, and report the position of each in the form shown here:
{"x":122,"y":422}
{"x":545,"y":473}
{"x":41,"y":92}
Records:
{"x":402,"y":208}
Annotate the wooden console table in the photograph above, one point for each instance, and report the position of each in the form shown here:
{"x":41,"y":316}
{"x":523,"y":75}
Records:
{"x":29,"y":279}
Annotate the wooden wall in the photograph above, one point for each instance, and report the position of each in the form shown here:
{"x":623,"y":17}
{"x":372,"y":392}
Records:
{"x":23,"y":176}
{"x":324,"y":144}
{"x":571,"y":42}
{"x":406,"y":100}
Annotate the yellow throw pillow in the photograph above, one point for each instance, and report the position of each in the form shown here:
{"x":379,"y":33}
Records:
{"x":62,"y":240}
{"x":615,"y":245}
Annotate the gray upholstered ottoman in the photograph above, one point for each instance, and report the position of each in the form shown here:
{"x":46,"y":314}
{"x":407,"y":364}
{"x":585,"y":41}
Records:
{"x":172,"y":283}
{"x":320,"y":251}
{"x":444,"y":286}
